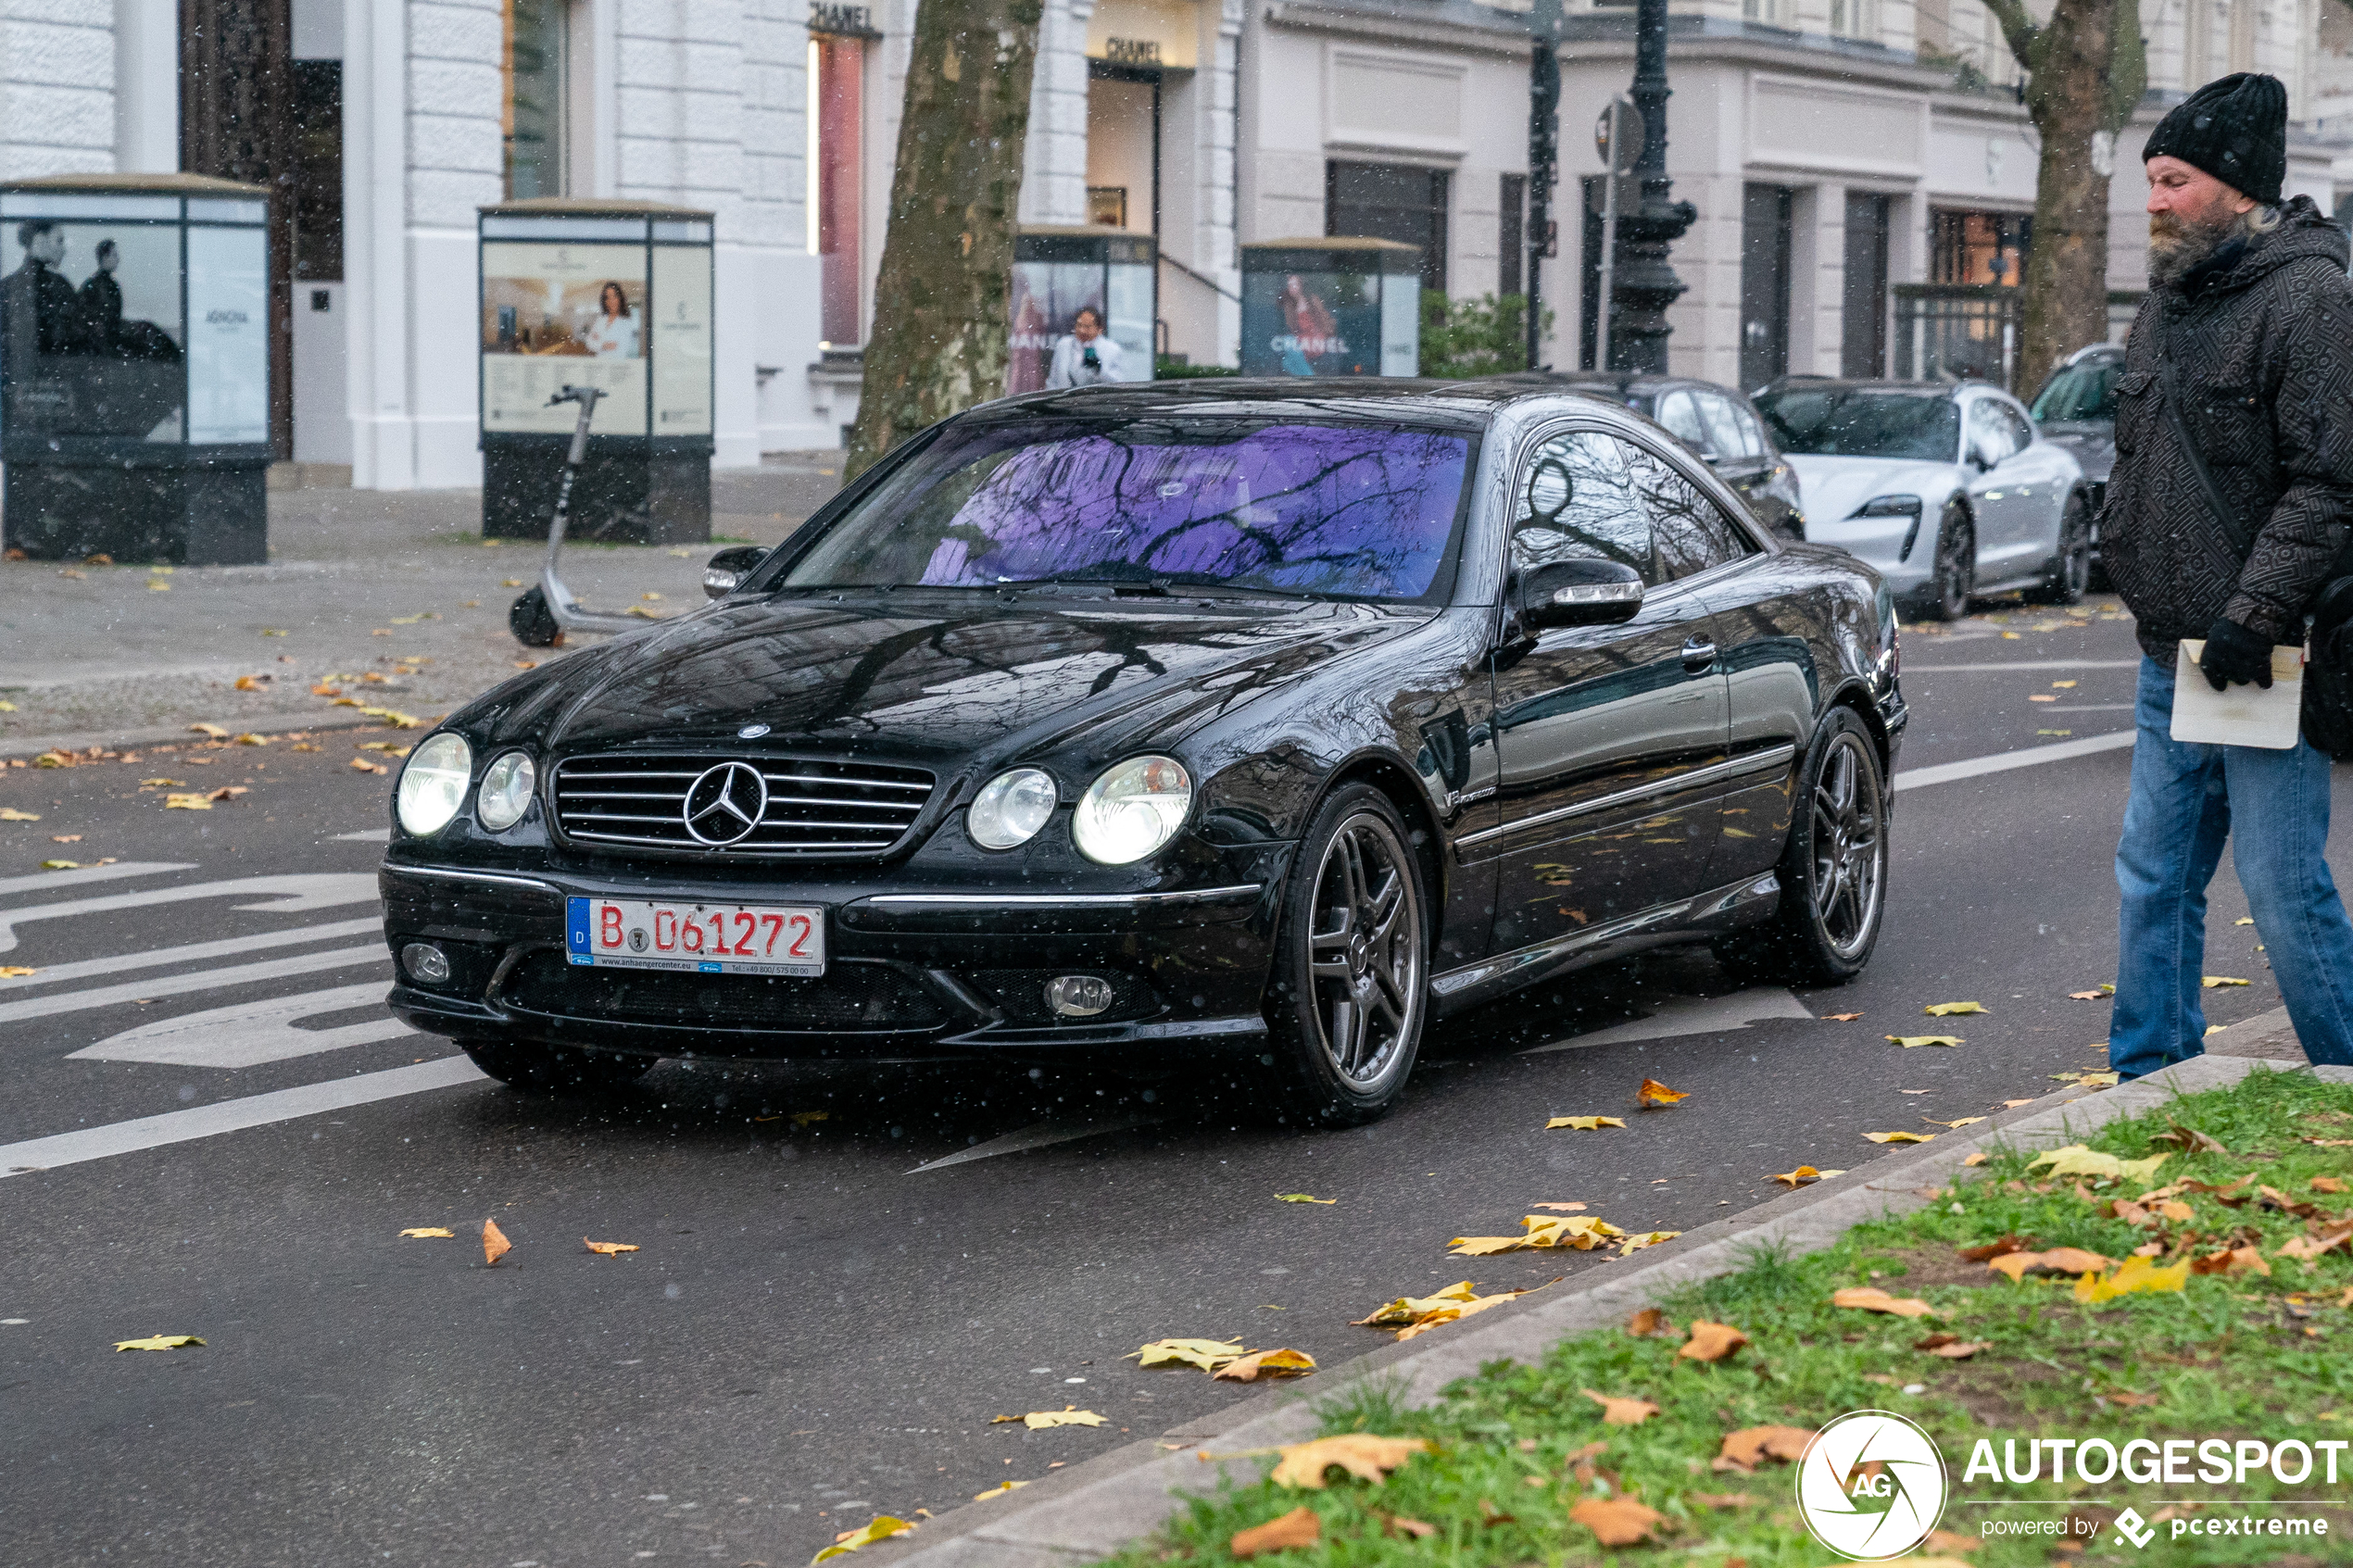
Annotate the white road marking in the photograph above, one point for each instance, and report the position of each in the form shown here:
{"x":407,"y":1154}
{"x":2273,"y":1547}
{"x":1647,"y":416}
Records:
{"x":234,"y":1115}
{"x":2087,"y":708}
{"x":48,"y":881}
{"x":2032,"y":756}
{"x":1037,"y":1136}
{"x":248,"y":1034}
{"x":1677,"y":1016}
{"x":2027,"y":664}
{"x":179,"y":984}
{"x":300,"y":892}
{"x":191,"y":952}
{"x":373,"y":835}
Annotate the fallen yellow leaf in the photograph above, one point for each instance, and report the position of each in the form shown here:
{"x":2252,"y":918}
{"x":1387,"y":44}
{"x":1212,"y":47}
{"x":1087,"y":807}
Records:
{"x":10,"y":814}
{"x":1980,"y":1157}
{"x":361,"y":764}
{"x":1647,"y":1321}
{"x":1616,"y":1520}
{"x":2076,"y":1161}
{"x":1952,"y":1348}
{"x":1711,"y":1341}
{"x":159,"y":1342}
{"x":1870,"y":1299}
{"x":215,"y":731}
{"x":427,"y":1232}
{"x":1583,"y":1124}
{"x":1580,"y":1232}
{"x":2086,"y":996}
{"x":1751,"y":1445}
{"x":1964,"y":1122}
{"x":1908,"y":1041}
{"x":1039,"y":1421}
{"x":495,"y":1244}
{"x":16,"y":970}
{"x":1206,"y":1354}
{"x":1901,"y":1137}
{"x":1563,"y":1208}
{"x":1266,"y":1363}
{"x":1800,"y":1176}
{"x":187,"y":803}
{"x":999,"y":1490}
{"x":1301,"y":1198}
{"x":510,"y":582}
{"x":879,"y":1528}
{"x":1619,"y":1412}
{"x":2307,"y":1248}
{"x":2215,"y":981}
{"x":1366,"y":1457}
{"x":1648,"y":1238}
{"x":2135,"y":1276}
{"x":60,"y":865}
{"x":1951,"y":1009}
{"x":608,"y":1249}
{"x":1652,"y":1092}
{"x":1299,"y":1528}
{"x":1839,"y":1017}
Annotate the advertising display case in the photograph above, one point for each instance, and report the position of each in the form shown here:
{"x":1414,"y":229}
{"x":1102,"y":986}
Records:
{"x":1059,"y":271}
{"x":615,"y":295}
{"x":1331,"y":306}
{"x":134,"y":368}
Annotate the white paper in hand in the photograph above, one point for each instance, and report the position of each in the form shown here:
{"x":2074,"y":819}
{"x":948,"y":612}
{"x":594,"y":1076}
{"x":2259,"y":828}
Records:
{"x":2238,"y":714}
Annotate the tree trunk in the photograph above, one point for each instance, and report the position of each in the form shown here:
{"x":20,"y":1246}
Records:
{"x":941,"y":310}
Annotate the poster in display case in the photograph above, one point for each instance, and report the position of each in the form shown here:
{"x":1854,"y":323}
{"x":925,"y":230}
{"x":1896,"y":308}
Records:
{"x":1331,"y":306}
{"x":1059,"y":271}
{"x":615,"y":295}
{"x":135,"y":367}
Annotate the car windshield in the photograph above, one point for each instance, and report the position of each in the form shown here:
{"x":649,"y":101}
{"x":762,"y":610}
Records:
{"x":2081,"y":392}
{"x":1352,"y":511}
{"x":1852,"y":422}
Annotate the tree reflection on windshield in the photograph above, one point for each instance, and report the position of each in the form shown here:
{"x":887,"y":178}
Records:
{"x":1926,"y":426}
{"x":1351,"y":511}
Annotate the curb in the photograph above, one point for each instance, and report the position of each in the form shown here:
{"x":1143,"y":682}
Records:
{"x":115,"y":740}
{"x":1095,"y":1508}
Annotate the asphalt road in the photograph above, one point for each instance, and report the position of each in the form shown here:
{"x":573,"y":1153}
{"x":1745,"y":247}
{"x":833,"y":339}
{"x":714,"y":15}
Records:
{"x":822,"y":1321}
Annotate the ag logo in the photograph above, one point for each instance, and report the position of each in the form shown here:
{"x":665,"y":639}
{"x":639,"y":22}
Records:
{"x":2131,"y":1526}
{"x":1871,"y":1485}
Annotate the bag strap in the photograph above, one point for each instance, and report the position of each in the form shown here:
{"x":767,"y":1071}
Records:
{"x":2242,"y":538}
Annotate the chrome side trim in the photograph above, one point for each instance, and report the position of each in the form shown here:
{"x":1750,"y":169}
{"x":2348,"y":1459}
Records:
{"x":1065,"y":900}
{"x":396,"y":869}
{"x":1756,"y":762}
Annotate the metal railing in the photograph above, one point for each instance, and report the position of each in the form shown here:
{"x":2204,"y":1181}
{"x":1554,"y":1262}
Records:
{"x":1957,"y":332}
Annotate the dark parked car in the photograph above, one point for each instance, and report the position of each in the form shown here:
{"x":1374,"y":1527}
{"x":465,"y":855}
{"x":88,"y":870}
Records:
{"x":1261,"y":720}
{"x":1718,"y":423}
{"x":2076,"y":409}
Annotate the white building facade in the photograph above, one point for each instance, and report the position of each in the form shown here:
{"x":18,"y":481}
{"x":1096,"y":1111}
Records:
{"x":1849,"y":159}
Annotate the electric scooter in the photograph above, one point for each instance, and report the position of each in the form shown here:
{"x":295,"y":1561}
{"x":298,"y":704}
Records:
{"x":541,"y":617}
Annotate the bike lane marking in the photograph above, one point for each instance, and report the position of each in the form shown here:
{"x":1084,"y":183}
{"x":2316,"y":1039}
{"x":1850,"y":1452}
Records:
{"x":250,"y":1033}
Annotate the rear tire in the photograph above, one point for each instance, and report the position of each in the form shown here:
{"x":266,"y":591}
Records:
{"x":1956,"y":576}
{"x":2070,"y":575}
{"x":563,"y":1071}
{"x":1351,"y":986}
{"x":532,"y":622}
{"x":1833,"y":871}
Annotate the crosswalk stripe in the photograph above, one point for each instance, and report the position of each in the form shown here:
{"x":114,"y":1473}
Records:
{"x":156,"y":957}
{"x":233,"y":1115}
{"x":249,"y":1033}
{"x":177,"y":985}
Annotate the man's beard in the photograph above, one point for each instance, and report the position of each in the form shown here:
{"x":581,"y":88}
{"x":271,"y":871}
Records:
{"x":2178,"y":243}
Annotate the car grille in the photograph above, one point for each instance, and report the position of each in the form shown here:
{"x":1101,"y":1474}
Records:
{"x":850,"y":997}
{"x":813,"y":808}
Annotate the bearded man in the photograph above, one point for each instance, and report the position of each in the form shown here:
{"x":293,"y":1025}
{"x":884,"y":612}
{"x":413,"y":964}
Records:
{"x":2241,"y":363}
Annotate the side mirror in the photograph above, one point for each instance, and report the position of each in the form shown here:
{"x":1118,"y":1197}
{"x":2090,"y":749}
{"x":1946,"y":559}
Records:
{"x":729,"y":568}
{"x":1580,"y":593}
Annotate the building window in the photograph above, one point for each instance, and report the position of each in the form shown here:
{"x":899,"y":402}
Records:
{"x":1765,"y":273}
{"x":1392,"y":201}
{"x":1855,"y":19}
{"x":837,"y":179}
{"x":1979,"y":247}
{"x":1770,"y":12}
{"x":532,"y":71}
{"x":1511,"y":236}
{"x":318,"y":184}
{"x":1123,"y":144}
{"x":1863,"y":292}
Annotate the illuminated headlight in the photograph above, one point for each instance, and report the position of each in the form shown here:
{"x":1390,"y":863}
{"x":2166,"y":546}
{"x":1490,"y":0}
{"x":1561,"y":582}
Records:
{"x":1010,"y":808}
{"x":1890,"y":506}
{"x":1132,"y":810}
{"x":432,"y":785}
{"x":506,"y":792}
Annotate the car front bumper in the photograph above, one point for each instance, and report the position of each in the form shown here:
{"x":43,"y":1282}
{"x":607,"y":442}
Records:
{"x":934,"y":971}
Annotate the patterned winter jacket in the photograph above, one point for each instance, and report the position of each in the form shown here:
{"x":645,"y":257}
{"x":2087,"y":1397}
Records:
{"x":2262,"y":350}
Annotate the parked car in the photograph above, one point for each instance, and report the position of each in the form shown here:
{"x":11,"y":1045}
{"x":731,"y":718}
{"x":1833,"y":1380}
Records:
{"x":2076,"y":409}
{"x":1718,"y":423}
{"x":1946,"y":489}
{"x":1259,"y":721}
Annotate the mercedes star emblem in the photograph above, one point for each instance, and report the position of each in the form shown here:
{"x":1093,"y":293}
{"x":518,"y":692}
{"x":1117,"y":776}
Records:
{"x":751,"y":732}
{"x":725,"y":803}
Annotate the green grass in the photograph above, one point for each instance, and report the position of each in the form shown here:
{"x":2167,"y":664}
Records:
{"x":2228,"y":1357}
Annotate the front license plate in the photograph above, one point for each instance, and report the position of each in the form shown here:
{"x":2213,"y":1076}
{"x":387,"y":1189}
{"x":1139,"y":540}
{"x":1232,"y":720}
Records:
{"x":699,"y":938}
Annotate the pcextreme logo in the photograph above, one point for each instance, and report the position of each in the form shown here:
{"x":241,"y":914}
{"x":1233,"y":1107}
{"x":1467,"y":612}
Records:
{"x":1871,"y":1485}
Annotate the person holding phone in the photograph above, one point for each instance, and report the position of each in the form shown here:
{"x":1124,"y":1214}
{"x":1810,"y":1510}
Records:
{"x":1085,"y":356}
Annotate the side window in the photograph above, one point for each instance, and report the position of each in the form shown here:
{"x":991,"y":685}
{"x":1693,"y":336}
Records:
{"x":1691,"y":531}
{"x":1989,"y":428}
{"x":1679,"y":414}
{"x":1725,"y":437}
{"x":1578,"y":502}
{"x":2021,"y":434}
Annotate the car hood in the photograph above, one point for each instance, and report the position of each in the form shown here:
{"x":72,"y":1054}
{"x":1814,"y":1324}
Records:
{"x":2092,"y":443}
{"x":1833,"y":487}
{"x":929,"y":678}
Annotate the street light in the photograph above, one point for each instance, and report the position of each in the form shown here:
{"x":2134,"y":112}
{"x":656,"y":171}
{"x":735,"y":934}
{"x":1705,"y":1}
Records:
{"x":1644,"y":284}
{"x":1543,"y":162}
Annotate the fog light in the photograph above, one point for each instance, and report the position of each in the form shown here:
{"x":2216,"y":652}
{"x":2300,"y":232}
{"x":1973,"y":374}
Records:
{"x":430,"y":965}
{"x":1077,"y":995}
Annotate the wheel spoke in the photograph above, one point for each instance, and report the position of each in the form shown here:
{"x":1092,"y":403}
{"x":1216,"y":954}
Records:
{"x":1348,"y":1033}
{"x":1387,"y":998}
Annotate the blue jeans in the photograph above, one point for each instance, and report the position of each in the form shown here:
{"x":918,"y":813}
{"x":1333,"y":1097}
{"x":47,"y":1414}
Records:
{"x":2181,"y":807}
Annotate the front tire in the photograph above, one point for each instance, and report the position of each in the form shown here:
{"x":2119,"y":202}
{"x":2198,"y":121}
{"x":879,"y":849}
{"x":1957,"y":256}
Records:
{"x":2070,"y":575}
{"x":562,"y":1070}
{"x":1833,"y":871}
{"x":1350,"y":991}
{"x":1956,"y":576}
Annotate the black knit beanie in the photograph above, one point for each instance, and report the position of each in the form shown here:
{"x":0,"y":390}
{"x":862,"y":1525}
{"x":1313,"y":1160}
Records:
{"x":2235,"y":128}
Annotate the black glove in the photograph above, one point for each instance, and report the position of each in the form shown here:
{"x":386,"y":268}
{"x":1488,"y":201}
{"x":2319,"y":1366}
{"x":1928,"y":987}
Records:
{"x":2233,"y":654}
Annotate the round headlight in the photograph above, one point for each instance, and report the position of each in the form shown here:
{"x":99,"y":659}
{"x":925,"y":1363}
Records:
{"x":1132,"y":810}
{"x":432,"y":785}
{"x":506,"y":792}
{"x":1010,"y":808}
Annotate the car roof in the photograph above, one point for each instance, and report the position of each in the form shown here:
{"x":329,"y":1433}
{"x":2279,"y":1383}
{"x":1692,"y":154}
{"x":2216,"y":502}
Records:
{"x":1892,"y":388}
{"x":1622,"y":383}
{"x":1468,"y":404}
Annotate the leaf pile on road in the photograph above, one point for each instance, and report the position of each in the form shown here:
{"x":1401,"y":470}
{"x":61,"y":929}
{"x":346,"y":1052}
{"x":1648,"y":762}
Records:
{"x":2186,"y":1273}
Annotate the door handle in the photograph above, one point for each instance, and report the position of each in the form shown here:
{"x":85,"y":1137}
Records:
{"x":1698,"y":654}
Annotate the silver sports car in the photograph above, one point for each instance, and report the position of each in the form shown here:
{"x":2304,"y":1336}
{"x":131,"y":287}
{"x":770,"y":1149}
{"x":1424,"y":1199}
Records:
{"x":1948,"y":490}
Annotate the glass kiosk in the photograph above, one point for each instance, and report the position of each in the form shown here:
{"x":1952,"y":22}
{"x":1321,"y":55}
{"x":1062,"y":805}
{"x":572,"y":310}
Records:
{"x":615,"y":294}
{"x":1331,"y":306}
{"x":1058,"y":272}
{"x":134,"y":368}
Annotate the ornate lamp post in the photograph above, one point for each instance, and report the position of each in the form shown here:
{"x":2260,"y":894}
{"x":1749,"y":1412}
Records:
{"x":1645,"y":284}
{"x":1543,"y":163}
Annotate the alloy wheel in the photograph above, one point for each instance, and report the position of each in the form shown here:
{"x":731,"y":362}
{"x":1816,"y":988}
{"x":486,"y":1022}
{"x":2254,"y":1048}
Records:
{"x":1364,"y":951}
{"x":1849,"y":845}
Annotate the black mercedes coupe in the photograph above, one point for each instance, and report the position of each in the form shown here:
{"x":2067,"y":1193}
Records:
{"x":1247,"y":722}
